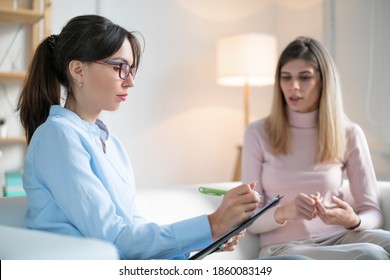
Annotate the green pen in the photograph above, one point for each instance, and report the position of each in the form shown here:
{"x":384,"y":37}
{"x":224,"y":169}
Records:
{"x":212,"y":191}
{"x":219,"y":192}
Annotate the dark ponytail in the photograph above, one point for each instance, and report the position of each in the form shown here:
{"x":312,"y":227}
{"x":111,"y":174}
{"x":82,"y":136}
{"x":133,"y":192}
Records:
{"x":84,"y":38}
{"x":40,"y":90}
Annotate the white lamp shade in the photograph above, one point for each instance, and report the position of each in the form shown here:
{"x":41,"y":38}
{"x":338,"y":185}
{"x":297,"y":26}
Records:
{"x":247,"y":59}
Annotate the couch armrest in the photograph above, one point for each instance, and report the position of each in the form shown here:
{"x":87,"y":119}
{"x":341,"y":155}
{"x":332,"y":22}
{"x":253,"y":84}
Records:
{"x":384,"y":190}
{"x":27,"y":244}
{"x":12,"y":211}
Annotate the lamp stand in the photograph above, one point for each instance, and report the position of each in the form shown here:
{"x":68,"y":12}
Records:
{"x":237,"y":168}
{"x":246,"y":105}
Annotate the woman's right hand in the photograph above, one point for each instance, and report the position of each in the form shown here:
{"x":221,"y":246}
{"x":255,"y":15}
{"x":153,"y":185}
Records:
{"x":238,"y":204}
{"x":302,"y":207}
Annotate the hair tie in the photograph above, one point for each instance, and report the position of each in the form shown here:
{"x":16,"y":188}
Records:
{"x":52,"y":41}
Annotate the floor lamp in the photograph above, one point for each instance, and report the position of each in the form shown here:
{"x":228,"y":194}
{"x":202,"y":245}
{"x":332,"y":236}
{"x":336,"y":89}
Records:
{"x":246,"y":60}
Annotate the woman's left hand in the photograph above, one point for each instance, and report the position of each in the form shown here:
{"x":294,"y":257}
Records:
{"x":342,"y":214}
{"x":231,"y":243}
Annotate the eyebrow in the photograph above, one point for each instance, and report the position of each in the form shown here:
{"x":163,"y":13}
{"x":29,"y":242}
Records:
{"x":302,"y":72}
{"x":120,"y":58}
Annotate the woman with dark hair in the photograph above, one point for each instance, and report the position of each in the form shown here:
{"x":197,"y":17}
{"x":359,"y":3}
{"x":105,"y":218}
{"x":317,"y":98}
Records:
{"x":301,"y":151}
{"x":77,"y":176}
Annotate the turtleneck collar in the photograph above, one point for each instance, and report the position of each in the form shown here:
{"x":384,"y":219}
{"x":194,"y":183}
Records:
{"x":302,"y":120}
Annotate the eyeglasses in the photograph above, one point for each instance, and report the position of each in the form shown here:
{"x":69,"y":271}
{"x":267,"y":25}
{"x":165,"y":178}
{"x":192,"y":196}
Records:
{"x":123,"y":68}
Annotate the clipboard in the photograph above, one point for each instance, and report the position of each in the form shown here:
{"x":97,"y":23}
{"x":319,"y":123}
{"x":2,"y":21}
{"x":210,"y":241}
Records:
{"x":236,"y":230}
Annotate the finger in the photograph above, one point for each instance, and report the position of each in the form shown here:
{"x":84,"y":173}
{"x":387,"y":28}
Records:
{"x":227,"y":246}
{"x":339,"y":202}
{"x":240,"y":196}
{"x":230,"y":240}
{"x":249,"y":207}
{"x":252,"y":197}
{"x":306,"y":206}
{"x":230,"y":246}
{"x":307,"y":211}
{"x":308,"y":200}
{"x":241,"y":189}
{"x":246,"y":192}
{"x":229,"y":249}
{"x":240,"y":235}
{"x":253,"y":184}
{"x":306,"y":214}
{"x":321,"y":209}
{"x":317,"y":197}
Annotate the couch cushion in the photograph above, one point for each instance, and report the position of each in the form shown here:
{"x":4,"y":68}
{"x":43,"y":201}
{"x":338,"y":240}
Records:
{"x":27,"y":244}
{"x":12,"y":211}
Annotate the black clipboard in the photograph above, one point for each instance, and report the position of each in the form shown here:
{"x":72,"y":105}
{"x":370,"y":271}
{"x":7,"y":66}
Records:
{"x":233,"y":232}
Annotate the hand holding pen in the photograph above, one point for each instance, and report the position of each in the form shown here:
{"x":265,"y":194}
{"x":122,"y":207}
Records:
{"x":238,"y":204}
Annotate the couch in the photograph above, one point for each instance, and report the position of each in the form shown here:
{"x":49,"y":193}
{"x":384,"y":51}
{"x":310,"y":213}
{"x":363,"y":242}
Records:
{"x":161,"y":205}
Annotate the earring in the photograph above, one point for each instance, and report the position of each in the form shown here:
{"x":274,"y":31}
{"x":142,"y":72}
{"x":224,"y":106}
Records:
{"x":81,"y":84}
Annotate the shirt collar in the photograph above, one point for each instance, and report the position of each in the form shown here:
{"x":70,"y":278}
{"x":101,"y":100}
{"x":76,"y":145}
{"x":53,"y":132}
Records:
{"x":103,"y":130}
{"x":98,"y":128}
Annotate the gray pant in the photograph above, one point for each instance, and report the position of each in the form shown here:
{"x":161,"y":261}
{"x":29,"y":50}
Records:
{"x":348,"y":245}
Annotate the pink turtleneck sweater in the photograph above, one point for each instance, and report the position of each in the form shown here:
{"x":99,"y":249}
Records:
{"x":299,"y":171}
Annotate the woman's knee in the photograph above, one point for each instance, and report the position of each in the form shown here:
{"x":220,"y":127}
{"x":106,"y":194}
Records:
{"x":369,"y":251}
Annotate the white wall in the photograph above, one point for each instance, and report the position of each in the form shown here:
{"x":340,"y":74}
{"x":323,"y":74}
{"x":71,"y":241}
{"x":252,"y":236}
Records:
{"x":362,"y":44}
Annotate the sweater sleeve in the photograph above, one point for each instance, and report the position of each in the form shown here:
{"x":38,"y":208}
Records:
{"x":362,"y":180}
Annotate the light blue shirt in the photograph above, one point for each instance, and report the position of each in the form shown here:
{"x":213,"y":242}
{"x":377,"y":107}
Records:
{"x":73,"y":187}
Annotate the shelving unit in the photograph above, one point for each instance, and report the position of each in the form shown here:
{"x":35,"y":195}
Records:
{"x":12,"y":76}
{"x":37,"y":19}
{"x":21,"y":15}
{"x":13,"y":140}
{"x":35,"y":15}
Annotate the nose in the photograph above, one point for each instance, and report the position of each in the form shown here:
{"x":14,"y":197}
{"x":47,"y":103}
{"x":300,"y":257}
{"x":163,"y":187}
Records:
{"x":295,"y":84}
{"x":129,"y":82}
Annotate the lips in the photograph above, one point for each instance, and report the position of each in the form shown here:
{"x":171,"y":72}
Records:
{"x":122,"y":96}
{"x":294,"y":98}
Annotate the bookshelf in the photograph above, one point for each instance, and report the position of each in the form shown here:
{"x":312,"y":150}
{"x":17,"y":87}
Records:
{"x":29,"y":16}
{"x":35,"y":17}
{"x":13,"y":140}
{"x":12,"y":75}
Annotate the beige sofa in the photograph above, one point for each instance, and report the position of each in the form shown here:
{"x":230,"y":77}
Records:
{"x":162,"y":205}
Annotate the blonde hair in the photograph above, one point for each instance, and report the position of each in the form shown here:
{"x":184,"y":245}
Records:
{"x":331,"y":117}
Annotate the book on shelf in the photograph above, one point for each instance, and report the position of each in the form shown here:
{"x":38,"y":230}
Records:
{"x":14,"y":183}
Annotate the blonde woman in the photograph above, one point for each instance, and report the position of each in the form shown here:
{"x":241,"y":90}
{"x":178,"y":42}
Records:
{"x":302,"y":150}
